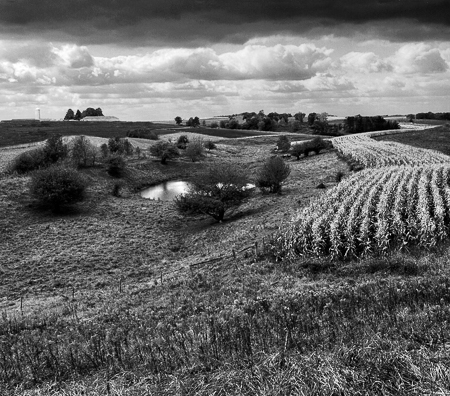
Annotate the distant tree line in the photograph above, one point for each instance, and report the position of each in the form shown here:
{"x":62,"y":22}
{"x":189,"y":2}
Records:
{"x":89,"y":112}
{"x":358,"y":124}
{"x":430,"y":116}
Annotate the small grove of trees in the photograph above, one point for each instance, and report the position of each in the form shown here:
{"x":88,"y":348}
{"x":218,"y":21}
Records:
{"x":193,"y":122}
{"x":82,"y":152}
{"x":89,"y":112}
{"x":164,"y":150}
{"x":215,"y":191}
{"x":358,"y":124}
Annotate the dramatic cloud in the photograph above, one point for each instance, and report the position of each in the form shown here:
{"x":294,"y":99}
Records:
{"x":205,"y":21}
{"x":73,"y":65}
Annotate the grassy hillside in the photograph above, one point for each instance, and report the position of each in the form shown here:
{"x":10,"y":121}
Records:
{"x":125,"y":297}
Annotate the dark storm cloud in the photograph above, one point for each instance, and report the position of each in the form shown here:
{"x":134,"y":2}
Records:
{"x":203,"y":21}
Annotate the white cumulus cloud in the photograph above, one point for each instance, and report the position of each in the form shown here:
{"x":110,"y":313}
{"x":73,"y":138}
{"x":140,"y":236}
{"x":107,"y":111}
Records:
{"x":418,"y":58}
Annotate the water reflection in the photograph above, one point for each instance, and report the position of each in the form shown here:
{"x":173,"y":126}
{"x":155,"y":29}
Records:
{"x":166,"y":191}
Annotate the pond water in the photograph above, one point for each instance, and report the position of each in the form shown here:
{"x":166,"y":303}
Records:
{"x":166,"y":191}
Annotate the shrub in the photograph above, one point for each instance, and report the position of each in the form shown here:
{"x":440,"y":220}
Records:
{"x":182,"y":142}
{"x":283,"y":143}
{"x":195,"y":149}
{"x":339,"y":175}
{"x":143,"y":134}
{"x":83,"y":152}
{"x":272,"y":174}
{"x":164,"y":150}
{"x":318,"y":144}
{"x":223,"y":124}
{"x":116,"y":165}
{"x":104,"y":150}
{"x":214,"y":124}
{"x":210,"y":145}
{"x":128,"y":147}
{"x":215,"y":191}
{"x":28,"y":161}
{"x":297,"y":150}
{"x":117,"y":188}
{"x":57,"y":186}
{"x":138,"y":152}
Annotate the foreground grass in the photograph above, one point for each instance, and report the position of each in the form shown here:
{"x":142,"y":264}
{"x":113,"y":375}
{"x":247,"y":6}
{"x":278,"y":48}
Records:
{"x":371,"y":327}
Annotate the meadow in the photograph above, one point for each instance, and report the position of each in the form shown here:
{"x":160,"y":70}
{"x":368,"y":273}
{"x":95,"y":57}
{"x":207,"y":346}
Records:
{"x":124,"y":296}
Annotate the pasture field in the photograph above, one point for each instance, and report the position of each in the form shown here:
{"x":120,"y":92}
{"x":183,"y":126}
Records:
{"x":14,"y":134}
{"x":435,"y":139}
{"x":124,"y":296}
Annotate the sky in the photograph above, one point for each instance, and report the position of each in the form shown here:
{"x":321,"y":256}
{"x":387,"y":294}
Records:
{"x":157,"y":59}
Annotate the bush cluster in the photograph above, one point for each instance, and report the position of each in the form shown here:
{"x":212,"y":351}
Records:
{"x":57,"y":186}
{"x":315,"y":145}
{"x":182,"y":142}
{"x":54,"y":151}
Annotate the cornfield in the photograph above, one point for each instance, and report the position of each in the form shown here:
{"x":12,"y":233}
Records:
{"x":401,"y":199}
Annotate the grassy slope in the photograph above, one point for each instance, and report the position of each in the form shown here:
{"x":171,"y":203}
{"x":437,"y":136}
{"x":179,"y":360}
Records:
{"x":91,"y":283}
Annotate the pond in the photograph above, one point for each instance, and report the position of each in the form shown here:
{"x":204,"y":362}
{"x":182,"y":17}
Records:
{"x":166,"y":191}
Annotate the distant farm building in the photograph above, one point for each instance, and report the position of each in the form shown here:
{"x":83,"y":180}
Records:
{"x":100,"y":118}
{"x":22,"y":121}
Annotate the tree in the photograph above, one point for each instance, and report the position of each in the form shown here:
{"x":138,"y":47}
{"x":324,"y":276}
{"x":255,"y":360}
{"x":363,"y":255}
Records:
{"x":69,"y":115}
{"x":272,"y":174}
{"x":215,"y":191}
{"x":196,"y":122}
{"x":178,"y":120}
{"x":164,"y":150}
{"x":311,"y":118}
{"x":299,"y":116}
{"x":77,"y":115}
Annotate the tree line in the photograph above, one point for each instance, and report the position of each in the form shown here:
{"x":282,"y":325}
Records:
{"x":89,"y":112}
{"x":429,"y":116}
